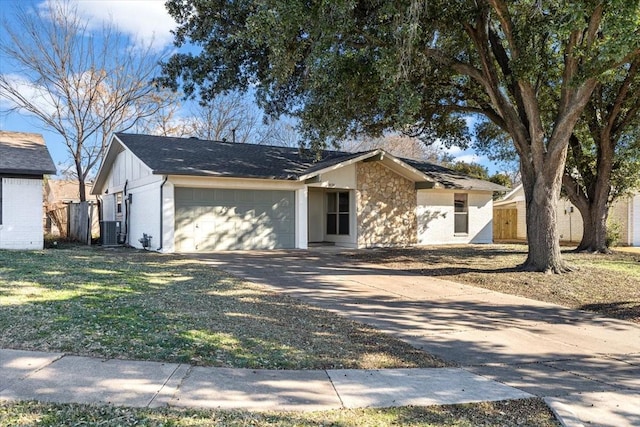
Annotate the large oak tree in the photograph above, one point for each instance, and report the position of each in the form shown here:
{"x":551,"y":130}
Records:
{"x":603,"y":162}
{"x":355,"y":67}
{"x":604,"y":152}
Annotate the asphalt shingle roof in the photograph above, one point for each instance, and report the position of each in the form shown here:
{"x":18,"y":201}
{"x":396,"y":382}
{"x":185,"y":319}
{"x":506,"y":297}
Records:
{"x":192,"y":156}
{"x":451,"y":179}
{"x":196,"y":157}
{"x":24,"y":154}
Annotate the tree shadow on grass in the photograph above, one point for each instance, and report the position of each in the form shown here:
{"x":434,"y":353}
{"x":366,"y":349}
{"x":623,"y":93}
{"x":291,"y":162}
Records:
{"x":625,"y":310}
{"x":140,"y":305}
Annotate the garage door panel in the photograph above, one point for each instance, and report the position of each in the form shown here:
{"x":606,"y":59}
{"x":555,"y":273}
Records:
{"x":222,"y":219}
{"x":224,"y":196}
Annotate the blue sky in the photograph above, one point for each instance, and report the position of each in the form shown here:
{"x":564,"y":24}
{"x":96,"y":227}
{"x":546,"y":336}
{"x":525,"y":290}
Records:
{"x":144,"y":20}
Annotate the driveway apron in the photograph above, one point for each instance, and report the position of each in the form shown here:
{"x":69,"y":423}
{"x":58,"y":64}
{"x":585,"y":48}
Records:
{"x":541,"y":348}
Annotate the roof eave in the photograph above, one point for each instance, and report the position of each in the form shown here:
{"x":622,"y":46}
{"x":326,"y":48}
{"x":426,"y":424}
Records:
{"x":412,"y":173}
{"x":210,"y":174}
{"x":339,"y":165}
{"x":102,"y":174}
{"x":31,"y":172}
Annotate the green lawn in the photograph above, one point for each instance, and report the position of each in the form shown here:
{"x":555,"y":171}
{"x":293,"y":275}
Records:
{"x":147,"y":306}
{"x":526,"y":412}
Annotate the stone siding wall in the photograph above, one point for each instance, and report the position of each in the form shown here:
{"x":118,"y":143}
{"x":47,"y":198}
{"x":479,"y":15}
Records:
{"x":385,"y":207}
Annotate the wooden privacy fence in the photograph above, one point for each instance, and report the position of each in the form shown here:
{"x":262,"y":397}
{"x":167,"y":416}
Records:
{"x":82,"y":219}
{"x":505,"y":224}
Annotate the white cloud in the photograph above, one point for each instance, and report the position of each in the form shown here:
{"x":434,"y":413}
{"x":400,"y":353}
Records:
{"x":34,"y":94}
{"x":146,"y":21}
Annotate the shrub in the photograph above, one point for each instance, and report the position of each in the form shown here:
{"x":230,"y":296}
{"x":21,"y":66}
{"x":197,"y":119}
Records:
{"x":613,"y":233}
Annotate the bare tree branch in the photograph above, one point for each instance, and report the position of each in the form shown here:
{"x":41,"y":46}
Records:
{"x":81,"y":85}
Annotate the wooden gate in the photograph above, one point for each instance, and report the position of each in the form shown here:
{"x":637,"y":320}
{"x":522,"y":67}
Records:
{"x":81,"y":221}
{"x":505,"y":224}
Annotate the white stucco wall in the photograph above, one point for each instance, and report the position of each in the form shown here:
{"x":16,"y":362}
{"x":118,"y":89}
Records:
{"x":144,"y":214}
{"x":317,"y":214}
{"x":344,"y":177}
{"x":435,"y":212}
{"x":108,"y":206}
{"x":22,"y":212}
{"x":130,"y":176}
{"x":570,"y":224}
{"x":522,"y":220}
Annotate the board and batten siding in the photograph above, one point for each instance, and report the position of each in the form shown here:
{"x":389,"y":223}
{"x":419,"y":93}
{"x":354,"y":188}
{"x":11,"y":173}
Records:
{"x":435,"y":212}
{"x":140,"y":191}
{"x":126,"y":167}
{"x":22,"y":213}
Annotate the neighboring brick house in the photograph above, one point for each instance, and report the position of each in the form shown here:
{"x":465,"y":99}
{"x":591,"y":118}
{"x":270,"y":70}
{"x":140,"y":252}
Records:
{"x":24,"y":160}
{"x":194,"y":195}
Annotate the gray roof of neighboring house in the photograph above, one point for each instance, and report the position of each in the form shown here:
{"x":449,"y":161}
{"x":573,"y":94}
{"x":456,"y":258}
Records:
{"x":449,"y":178}
{"x":196,"y":157}
{"x":24,"y":154}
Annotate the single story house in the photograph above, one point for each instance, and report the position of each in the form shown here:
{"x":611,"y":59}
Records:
{"x":510,"y":218}
{"x":24,"y":160}
{"x":188,"y":195}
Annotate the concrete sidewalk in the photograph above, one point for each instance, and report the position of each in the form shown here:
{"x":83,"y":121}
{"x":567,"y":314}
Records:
{"x":55,"y":377}
{"x":587,"y":367}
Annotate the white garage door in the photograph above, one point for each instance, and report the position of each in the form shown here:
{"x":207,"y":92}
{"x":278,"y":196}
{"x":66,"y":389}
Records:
{"x":221,"y":219}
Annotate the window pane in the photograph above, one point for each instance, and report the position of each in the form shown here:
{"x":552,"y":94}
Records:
{"x":331,"y":202}
{"x":332,"y":224}
{"x":460,"y":202}
{"x":343,"y":201}
{"x":461,"y":223}
{"x":344,"y":224}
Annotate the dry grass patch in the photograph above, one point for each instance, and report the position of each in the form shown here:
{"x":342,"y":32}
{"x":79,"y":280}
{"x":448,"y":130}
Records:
{"x":146,"y":306}
{"x":526,"y":412}
{"x":607,"y":284}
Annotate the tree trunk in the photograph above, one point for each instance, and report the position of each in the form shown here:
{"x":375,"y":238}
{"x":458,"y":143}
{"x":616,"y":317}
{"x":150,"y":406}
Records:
{"x":591,"y":197}
{"x":81,"y":186}
{"x":594,"y":235}
{"x":542,"y":226}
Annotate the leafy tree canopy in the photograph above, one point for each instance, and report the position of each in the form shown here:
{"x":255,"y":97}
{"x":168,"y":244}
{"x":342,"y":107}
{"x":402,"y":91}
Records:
{"x":352,"y":67}
{"x":422,"y":67}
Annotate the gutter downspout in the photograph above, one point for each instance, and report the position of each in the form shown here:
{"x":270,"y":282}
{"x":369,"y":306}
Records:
{"x":127,"y":206}
{"x":166,"y":177}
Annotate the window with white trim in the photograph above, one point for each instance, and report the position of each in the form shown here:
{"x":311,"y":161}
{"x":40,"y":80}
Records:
{"x":338,"y":213}
{"x":118,"y":206}
{"x":461,"y":213}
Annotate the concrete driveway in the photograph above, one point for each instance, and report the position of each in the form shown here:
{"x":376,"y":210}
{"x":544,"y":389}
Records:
{"x":585,"y":366}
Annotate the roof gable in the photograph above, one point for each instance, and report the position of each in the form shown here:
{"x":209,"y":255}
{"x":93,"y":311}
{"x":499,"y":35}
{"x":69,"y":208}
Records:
{"x":24,"y":154}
